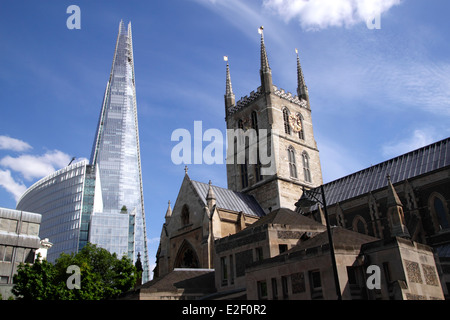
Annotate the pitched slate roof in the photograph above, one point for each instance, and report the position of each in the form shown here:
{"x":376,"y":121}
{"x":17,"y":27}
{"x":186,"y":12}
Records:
{"x":341,"y":238}
{"x":229,"y":199}
{"x":287,"y":217}
{"x":412,"y":164}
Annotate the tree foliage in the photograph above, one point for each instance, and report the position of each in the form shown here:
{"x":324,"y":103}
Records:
{"x":102,"y":276}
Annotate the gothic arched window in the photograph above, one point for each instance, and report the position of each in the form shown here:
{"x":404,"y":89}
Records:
{"x":292,"y":163}
{"x":255,"y":121}
{"x":306,"y":170}
{"x":258,"y":174}
{"x":439,"y":211}
{"x":287,"y":128}
{"x":185,"y":215}
{"x":244,"y":174}
{"x":301,"y":133}
{"x":186,"y":257}
{"x":360,"y":225}
{"x":240,"y":124}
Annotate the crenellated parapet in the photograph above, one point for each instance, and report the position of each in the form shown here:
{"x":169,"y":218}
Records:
{"x":254,"y":95}
{"x":288,"y":96}
{"x":245,"y":101}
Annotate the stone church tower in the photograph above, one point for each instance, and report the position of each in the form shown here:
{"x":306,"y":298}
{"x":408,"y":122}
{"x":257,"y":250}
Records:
{"x":294,"y":157}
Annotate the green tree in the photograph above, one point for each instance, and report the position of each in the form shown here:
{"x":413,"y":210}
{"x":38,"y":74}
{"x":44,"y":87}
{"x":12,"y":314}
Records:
{"x":102,"y":276}
{"x":35,"y":281}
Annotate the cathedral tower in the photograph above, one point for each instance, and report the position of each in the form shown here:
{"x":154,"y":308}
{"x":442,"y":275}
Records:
{"x":286,"y":121}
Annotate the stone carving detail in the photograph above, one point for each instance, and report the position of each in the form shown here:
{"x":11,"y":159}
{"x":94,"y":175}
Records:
{"x":430,"y":275}
{"x":413,"y":271}
{"x":289,"y":234}
{"x":410,"y":296}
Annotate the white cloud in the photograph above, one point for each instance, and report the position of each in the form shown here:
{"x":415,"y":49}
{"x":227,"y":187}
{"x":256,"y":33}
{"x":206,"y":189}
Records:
{"x":8,"y":143}
{"x":10,"y":185}
{"x":32,"y":166}
{"x":420,"y":138}
{"x":321,"y":14}
{"x":247,"y":17}
{"x":423,"y":84}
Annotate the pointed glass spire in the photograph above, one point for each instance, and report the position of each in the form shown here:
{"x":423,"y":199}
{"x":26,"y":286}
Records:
{"x":116,"y":155}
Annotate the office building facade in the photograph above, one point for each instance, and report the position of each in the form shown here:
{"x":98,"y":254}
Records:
{"x":100,"y":201}
{"x":116,"y":155}
{"x":65,"y":199}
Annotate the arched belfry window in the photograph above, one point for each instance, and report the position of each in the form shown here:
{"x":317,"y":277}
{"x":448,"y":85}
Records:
{"x":244,"y":174}
{"x":301,"y":133}
{"x":306,"y":170}
{"x":255,"y":121}
{"x":287,"y":128}
{"x":292,"y":163}
{"x":257,"y":166}
{"x":439,"y":211}
{"x":240,"y":124}
{"x":185,"y":215}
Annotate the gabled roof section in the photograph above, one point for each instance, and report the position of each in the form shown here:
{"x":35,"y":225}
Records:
{"x":341,"y":238}
{"x":286,"y":216}
{"x":409,"y":165}
{"x":229,"y":199}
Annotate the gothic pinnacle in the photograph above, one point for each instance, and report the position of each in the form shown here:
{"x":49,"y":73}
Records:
{"x":302,"y":89}
{"x":229,"y":88}
{"x":229,"y":95}
{"x":264,"y":60}
{"x":265,"y":72}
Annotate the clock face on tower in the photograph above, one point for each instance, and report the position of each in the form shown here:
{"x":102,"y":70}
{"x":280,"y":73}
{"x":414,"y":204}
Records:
{"x":295,"y":122}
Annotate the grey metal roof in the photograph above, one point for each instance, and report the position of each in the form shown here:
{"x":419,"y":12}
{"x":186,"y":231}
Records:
{"x":230,"y":200}
{"x":412,"y":164}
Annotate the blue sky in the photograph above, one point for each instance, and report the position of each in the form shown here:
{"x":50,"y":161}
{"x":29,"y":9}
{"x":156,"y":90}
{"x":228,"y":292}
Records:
{"x":374,"y":93}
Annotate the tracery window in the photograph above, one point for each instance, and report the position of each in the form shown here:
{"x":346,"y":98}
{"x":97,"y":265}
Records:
{"x":292,"y":163}
{"x":306,"y":170}
{"x":185,"y":215}
{"x":439,"y":211}
{"x":301,"y":133}
{"x":287,"y":128}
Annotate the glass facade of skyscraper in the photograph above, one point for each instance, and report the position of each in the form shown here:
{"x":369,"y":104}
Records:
{"x":116,"y":154}
{"x":102,"y":201}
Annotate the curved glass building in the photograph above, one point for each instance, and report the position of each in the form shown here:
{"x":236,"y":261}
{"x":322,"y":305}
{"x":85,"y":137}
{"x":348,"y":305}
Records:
{"x":65,"y":199}
{"x":102,"y":201}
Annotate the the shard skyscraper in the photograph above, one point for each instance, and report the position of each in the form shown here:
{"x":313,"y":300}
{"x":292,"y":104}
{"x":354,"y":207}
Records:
{"x":120,"y":226}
